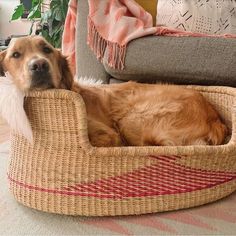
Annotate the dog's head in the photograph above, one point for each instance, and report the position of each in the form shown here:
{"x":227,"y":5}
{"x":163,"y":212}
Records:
{"x":34,"y":64}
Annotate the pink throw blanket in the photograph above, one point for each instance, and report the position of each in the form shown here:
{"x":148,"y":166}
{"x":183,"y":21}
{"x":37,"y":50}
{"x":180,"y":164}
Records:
{"x":112,"y":24}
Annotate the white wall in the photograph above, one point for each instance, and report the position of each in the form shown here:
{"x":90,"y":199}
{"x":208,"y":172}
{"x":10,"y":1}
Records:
{"x":15,"y":27}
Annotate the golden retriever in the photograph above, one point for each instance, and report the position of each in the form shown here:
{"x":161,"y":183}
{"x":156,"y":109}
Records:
{"x":127,"y":114}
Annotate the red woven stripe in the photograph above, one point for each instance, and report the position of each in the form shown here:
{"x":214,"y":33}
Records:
{"x":129,"y":182}
{"x":97,"y":194}
{"x":58,"y":191}
{"x":163,"y":178}
{"x":167,"y":176}
{"x":142,"y":184}
{"x":168,"y":158}
{"x":180,"y":171}
{"x":129,"y":189}
{"x":165,"y":161}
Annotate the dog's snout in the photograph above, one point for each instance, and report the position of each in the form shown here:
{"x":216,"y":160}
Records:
{"x":39,"y":70}
{"x":38,"y":66}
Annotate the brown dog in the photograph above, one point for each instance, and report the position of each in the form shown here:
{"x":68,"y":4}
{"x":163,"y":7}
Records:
{"x":122,"y":114}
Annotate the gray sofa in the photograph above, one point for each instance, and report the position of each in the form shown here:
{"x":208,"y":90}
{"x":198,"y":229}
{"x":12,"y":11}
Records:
{"x":180,"y":60}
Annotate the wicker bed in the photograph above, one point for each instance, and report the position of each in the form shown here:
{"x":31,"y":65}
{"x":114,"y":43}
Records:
{"x":62,"y":173}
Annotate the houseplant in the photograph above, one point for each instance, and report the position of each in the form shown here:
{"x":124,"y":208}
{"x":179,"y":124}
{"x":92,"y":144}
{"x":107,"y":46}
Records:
{"x":50,"y":17}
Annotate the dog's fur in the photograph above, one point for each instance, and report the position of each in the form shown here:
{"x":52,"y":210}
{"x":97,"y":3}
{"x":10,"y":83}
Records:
{"x":11,"y":108}
{"x":130,"y":114}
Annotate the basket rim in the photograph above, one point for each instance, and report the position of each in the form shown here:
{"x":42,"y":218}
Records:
{"x":63,"y":93}
{"x":77,"y":100}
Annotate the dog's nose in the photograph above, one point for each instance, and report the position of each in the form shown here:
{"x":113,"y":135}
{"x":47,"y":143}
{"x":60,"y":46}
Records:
{"x":38,"y":66}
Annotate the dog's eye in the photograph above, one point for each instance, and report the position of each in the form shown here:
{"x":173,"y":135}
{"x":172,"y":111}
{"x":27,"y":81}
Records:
{"x":16,"y":55}
{"x":47,"y":50}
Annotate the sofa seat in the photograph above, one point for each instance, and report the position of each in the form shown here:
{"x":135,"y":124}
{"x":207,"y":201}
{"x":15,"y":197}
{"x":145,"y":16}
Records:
{"x":180,"y":60}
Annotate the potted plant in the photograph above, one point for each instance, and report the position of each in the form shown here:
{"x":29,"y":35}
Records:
{"x":50,"y":17}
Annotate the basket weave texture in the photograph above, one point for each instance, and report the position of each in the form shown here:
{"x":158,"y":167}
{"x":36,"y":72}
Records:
{"x":62,"y":173}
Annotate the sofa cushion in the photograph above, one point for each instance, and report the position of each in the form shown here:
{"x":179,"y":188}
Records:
{"x":208,"y":17}
{"x":180,"y":60}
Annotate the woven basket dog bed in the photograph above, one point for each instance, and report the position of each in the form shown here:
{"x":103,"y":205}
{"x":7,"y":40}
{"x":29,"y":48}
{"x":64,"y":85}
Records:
{"x":62,"y":173}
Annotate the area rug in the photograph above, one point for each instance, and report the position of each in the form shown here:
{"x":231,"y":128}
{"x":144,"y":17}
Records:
{"x":218,"y":218}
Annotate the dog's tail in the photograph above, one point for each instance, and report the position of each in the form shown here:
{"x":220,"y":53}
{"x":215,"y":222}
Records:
{"x":218,"y":133}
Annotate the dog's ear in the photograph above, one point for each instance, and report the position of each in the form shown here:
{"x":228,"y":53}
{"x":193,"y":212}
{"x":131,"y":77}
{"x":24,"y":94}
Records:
{"x":2,"y":56}
{"x":67,"y":79}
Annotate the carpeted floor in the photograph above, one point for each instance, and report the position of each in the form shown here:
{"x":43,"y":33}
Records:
{"x":218,"y":218}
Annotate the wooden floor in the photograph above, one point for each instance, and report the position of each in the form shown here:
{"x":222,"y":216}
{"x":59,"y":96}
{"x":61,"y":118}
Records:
{"x":4,"y":131}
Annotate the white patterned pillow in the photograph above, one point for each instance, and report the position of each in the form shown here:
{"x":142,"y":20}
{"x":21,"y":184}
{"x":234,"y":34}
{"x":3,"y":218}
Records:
{"x":198,"y":16}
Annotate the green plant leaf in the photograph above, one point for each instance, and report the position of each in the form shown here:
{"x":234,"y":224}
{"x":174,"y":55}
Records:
{"x":58,"y":14}
{"x":57,"y":29}
{"x":54,"y":18}
{"x":65,"y":7}
{"x":45,"y":16}
{"x":31,"y":27}
{"x":57,"y":40}
{"x":35,"y":12}
{"x":54,"y":3}
{"x":36,"y":2}
{"x":18,"y":12}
